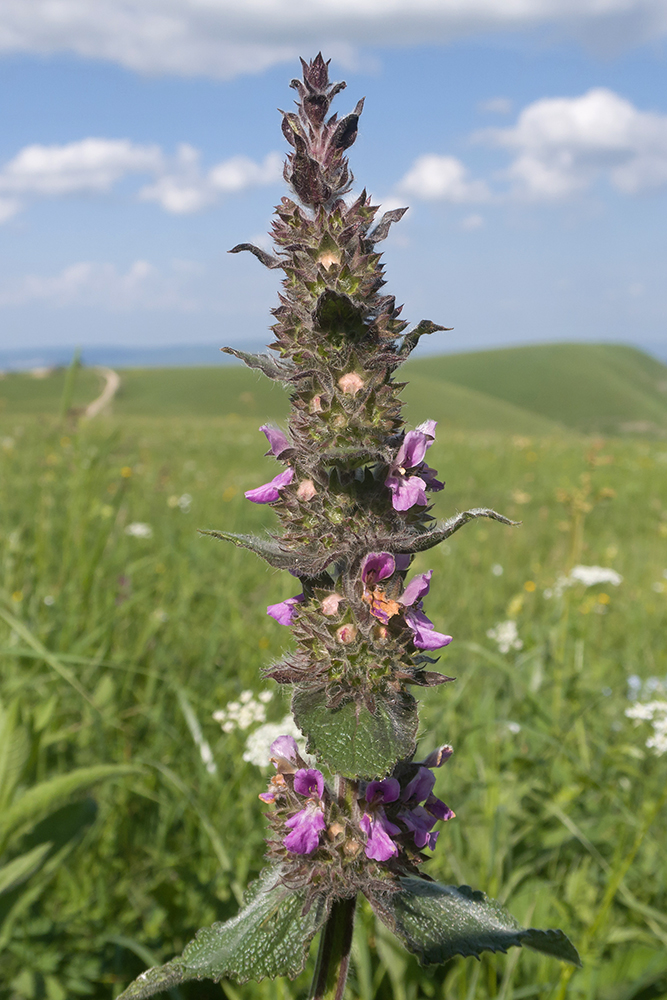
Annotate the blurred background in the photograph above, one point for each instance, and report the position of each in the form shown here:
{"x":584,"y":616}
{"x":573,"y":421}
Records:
{"x":139,"y":142}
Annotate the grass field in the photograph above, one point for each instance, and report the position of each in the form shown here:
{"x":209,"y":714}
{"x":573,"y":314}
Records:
{"x":118,"y":645}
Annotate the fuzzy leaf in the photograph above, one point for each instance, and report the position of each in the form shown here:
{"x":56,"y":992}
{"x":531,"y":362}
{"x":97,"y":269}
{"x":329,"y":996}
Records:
{"x":267,"y":259}
{"x":270,"y":366}
{"x":269,"y":937}
{"x":411,"y":339}
{"x":427,"y":540}
{"x":437,"y":922}
{"x":300,"y":562}
{"x":352,"y":740}
{"x":381,"y":231}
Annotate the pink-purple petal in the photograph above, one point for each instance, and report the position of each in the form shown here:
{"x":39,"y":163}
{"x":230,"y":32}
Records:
{"x":377,"y":566}
{"x":420,"y":787}
{"x":387,"y":790}
{"x":417,"y":588}
{"x":283,"y":612}
{"x":428,"y":427}
{"x":270,"y":492}
{"x":438,"y":808}
{"x":424,"y":635}
{"x":285,"y":747}
{"x":437,"y":757}
{"x":306,"y":827}
{"x":378,"y":829}
{"x":309,"y":780}
{"x":277,"y":440}
{"x":407,"y":491}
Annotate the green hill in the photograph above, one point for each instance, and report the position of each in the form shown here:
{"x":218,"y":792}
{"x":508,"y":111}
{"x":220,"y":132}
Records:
{"x":607,"y":388}
{"x":538,"y":389}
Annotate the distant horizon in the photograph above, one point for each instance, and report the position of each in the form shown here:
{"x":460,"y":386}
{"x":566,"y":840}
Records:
{"x":205,"y":354}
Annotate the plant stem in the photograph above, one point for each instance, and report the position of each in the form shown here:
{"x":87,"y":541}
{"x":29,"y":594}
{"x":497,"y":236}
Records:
{"x":333,"y":957}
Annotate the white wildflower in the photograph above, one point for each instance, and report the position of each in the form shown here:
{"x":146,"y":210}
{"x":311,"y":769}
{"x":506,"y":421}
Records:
{"x":243,"y":713}
{"x":139,"y":530}
{"x":654,"y":712}
{"x":49,"y":600}
{"x":514,"y":727}
{"x":497,"y":569}
{"x":590,"y":575}
{"x":184,"y":503}
{"x":506,"y":635}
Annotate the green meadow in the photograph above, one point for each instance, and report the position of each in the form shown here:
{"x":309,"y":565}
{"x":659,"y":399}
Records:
{"x":122,"y":630}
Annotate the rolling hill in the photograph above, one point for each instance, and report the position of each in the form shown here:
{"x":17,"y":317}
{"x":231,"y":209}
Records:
{"x":537,"y":389}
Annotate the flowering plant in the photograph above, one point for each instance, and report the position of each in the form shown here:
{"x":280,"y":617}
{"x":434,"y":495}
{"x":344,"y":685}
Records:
{"x":353,"y":503}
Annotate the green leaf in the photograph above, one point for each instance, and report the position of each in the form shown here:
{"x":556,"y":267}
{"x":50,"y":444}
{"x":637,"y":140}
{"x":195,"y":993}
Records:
{"x":16,"y":871}
{"x":351,"y":739}
{"x":41,"y":797}
{"x":269,"y":937}
{"x":437,"y":922}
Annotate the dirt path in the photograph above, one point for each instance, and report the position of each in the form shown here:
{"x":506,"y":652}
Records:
{"x":108,"y":392}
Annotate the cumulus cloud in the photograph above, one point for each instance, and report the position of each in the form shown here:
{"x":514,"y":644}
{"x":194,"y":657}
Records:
{"x":88,"y":165}
{"x":88,"y":283}
{"x":442,"y":178}
{"x":564,"y":144}
{"x":185,"y":189}
{"x":95,"y":165}
{"x":224,"y":38}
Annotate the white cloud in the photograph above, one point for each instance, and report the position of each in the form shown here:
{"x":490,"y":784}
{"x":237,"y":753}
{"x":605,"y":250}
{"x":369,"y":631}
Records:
{"x":88,"y":283}
{"x":186,"y":189}
{"x":565,"y":144}
{"x":442,"y":178}
{"x":95,"y":165}
{"x":224,"y":38}
{"x":88,"y":165}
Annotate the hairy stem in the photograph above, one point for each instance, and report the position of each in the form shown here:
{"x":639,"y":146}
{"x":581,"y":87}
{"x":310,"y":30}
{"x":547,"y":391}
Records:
{"x":333,"y":957}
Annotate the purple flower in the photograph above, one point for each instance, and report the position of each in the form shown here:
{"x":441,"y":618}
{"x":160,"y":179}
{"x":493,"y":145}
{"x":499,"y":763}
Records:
{"x":424,"y":634}
{"x":271,"y":491}
{"x":420,"y":825}
{"x":277,"y":440}
{"x":437,"y":808}
{"x":377,"y":566}
{"x":309,"y":781}
{"x":437,"y":757}
{"x":283,"y":612}
{"x":285,"y":747}
{"x":420,"y":787}
{"x":374,"y":823}
{"x":409,"y":477}
{"x":307,"y":824}
{"x":306,"y":827}
{"x":379,"y":831}
{"x":420,"y":819}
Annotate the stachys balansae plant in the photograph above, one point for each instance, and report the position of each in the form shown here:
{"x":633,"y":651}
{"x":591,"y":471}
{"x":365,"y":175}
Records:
{"x":352,"y":499}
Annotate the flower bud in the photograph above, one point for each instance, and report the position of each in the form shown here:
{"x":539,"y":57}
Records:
{"x":306,"y":490}
{"x":350,"y":383}
{"x":346,"y":634}
{"x":330,"y":604}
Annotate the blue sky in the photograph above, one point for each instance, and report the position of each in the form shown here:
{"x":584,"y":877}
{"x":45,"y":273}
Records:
{"x":139,"y":140}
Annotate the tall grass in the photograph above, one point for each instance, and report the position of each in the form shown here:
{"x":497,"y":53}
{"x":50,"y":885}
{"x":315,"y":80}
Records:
{"x":110,"y":641}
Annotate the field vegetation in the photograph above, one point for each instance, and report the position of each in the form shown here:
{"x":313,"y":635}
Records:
{"x":129,"y":817}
